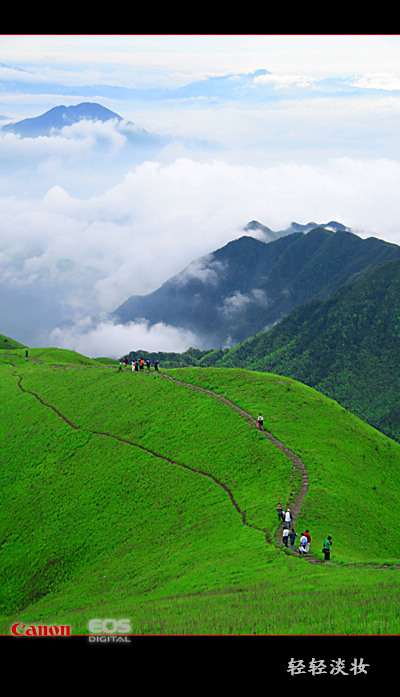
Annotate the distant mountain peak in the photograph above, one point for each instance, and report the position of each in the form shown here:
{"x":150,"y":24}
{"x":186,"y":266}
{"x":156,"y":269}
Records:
{"x":251,"y":283}
{"x":267,"y":235}
{"x":60,"y":116}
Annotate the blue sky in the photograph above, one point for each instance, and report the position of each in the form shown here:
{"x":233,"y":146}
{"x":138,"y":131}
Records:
{"x":86,"y":222}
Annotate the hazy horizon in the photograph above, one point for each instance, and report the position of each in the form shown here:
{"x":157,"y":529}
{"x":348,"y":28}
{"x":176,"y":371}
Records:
{"x":269,"y":128}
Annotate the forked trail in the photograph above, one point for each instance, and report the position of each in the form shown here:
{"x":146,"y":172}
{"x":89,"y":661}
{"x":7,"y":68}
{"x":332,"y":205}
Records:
{"x":296,"y":501}
{"x":148,"y":450}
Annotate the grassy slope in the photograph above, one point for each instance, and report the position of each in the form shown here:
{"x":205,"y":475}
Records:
{"x":92,"y":526}
{"x":352,"y":468}
{"x":6,"y":343}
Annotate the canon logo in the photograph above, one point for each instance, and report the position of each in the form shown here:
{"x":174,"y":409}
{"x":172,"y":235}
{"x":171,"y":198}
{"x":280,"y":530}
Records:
{"x":20,"y":629}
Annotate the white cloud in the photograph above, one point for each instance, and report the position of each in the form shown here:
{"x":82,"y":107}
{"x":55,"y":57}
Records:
{"x":92,"y":59}
{"x":88,"y":221}
{"x":160,"y":218}
{"x":115,"y":340}
{"x":283,"y":81}
{"x":239,"y":301}
{"x":378,"y":81}
{"x":78,"y":212}
{"x":207,"y":270}
{"x":73,"y":144}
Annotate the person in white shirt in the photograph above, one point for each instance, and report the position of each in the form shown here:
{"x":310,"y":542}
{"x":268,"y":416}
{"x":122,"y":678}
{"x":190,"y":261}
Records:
{"x":287,"y":518}
{"x":303,"y":542}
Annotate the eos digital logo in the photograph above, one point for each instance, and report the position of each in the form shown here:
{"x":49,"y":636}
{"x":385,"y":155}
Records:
{"x":108,"y":631}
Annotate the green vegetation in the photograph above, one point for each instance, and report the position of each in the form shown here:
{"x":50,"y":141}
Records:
{"x":346,"y":346}
{"x":6,"y":343}
{"x":249,"y":285}
{"x":123,"y":495}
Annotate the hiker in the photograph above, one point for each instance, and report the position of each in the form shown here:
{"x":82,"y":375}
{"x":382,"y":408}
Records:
{"x":156,"y":365}
{"x":260,"y":421}
{"x":287,"y":518}
{"x":141,"y":364}
{"x":308,"y":536}
{"x":280,"y":512}
{"x":120,"y":366}
{"x":292,"y":538}
{"x":136,"y":365}
{"x":148,"y":364}
{"x":327,"y":548}
{"x":133,"y":366}
{"x":285,"y":536}
{"x":303,"y":542}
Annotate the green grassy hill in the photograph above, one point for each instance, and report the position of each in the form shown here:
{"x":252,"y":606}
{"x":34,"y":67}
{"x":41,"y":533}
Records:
{"x":6,"y":343}
{"x":129,"y":495}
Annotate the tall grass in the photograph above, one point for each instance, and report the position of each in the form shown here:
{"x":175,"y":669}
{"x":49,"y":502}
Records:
{"x":92,"y":525}
{"x":354,"y":471}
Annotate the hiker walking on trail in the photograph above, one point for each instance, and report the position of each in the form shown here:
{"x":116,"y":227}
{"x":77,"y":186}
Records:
{"x":327,"y":548}
{"x":260,"y":421}
{"x":303,"y":542}
{"x":133,"y":366}
{"x":148,"y":364}
{"x":287,"y":518}
{"x":280,"y":512}
{"x":292,"y":538}
{"x":156,"y":365}
{"x":285,"y":536}
{"x":308,"y":536}
{"x":120,"y":367}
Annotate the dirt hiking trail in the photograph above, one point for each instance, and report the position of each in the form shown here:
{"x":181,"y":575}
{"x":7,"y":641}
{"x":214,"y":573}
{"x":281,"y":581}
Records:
{"x":298,"y":496}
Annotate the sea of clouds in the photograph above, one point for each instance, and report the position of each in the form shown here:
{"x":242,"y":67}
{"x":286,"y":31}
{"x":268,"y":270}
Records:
{"x":86,"y":221}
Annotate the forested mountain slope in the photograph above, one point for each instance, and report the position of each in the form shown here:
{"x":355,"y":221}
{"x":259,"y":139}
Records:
{"x":347,"y":346}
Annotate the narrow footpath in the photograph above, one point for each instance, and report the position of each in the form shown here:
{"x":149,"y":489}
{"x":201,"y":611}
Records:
{"x":298,"y":496}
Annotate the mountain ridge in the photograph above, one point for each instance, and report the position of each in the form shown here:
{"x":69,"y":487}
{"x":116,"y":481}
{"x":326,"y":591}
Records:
{"x":346,"y":346}
{"x":57,"y":118}
{"x":60,"y":116}
{"x":248,"y":285}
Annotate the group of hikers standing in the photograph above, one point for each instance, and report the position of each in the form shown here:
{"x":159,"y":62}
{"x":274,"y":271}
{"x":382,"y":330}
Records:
{"x":140,"y":364}
{"x":289,"y":535}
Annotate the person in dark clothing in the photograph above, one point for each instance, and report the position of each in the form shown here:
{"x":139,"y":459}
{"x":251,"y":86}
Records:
{"x":280,"y":513}
{"x":327,"y":548}
{"x":292,"y":538}
{"x":156,"y":365}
